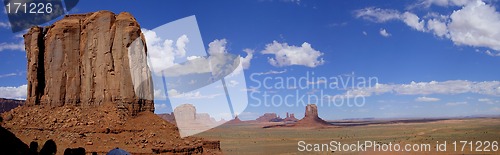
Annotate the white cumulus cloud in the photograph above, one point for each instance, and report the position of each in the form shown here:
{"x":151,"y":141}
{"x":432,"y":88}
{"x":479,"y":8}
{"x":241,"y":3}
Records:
{"x":245,"y":61}
{"x":217,"y":46}
{"x":476,"y":24}
{"x":286,"y":55}
{"x":471,"y":23}
{"x":413,"y":21}
{"x":438,"y":27}
{"x":384,"y":33}
{"x":162,"y":52}
{"x":14,"y":92}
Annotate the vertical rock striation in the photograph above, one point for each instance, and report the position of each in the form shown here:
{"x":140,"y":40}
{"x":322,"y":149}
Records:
{"x":86,"y":60}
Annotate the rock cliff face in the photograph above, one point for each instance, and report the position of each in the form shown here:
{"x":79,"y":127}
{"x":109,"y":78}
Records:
{"x":87,"y":60}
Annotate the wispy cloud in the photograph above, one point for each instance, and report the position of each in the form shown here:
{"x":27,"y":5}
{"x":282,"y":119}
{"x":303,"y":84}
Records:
{"x":487,"y":100}
{"x":456,"y":103}
{"x":5,"y":25}
{"x":426,"y":88}
{"x":12,"y":46}
{"x":427,"y":99}
{"x":190,"y":95}
{"x":8,"y":75}
{"x":271,"y":72}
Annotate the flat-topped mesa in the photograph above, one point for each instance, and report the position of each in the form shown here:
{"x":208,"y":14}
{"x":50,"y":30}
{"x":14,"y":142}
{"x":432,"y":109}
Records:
{"x":85,"y":60}
{"x":267,"y":117}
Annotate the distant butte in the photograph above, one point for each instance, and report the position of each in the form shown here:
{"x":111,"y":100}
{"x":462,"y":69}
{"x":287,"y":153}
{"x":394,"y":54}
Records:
{"x":290,"y":118}
{"x":311,"y":118}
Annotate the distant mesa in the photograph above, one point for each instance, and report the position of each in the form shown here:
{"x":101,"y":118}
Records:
{"x":267,"y":117}
{"x":186,"y":113}
{"x":8,"y":104}
{"x":273,"y":117}
{"x":190,"y":122}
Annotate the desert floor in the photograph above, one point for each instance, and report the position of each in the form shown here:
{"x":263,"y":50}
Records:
{"x":252,"y":138}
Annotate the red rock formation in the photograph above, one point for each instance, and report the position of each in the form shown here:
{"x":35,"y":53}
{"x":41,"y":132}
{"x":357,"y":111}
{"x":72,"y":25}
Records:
{"x":85,"y":60}
{"x":290,"y":118}
{"x":236,"y":120}
{"x":311,"y":118}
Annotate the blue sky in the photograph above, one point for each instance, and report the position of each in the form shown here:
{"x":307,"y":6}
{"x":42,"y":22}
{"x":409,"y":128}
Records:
{"x":448,"y":48}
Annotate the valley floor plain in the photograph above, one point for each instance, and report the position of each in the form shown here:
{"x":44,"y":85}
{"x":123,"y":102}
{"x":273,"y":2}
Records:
{"x":252,"y":138}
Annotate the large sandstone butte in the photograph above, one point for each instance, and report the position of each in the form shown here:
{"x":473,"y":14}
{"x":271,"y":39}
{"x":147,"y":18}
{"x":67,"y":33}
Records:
{"x":84,"y":60}
{"x":190,"y":122}
{"x":89,"y":86}
{"x":311,"y":118}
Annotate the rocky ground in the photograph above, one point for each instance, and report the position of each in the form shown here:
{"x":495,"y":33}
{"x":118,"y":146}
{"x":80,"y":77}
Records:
{"x":101,"y":129}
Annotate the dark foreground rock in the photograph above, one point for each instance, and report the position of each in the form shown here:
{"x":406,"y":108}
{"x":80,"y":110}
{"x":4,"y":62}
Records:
{"x":102,"y":129}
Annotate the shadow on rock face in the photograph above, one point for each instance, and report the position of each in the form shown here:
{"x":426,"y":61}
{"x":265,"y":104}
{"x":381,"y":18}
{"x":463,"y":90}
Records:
{"x":10,"y":144}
